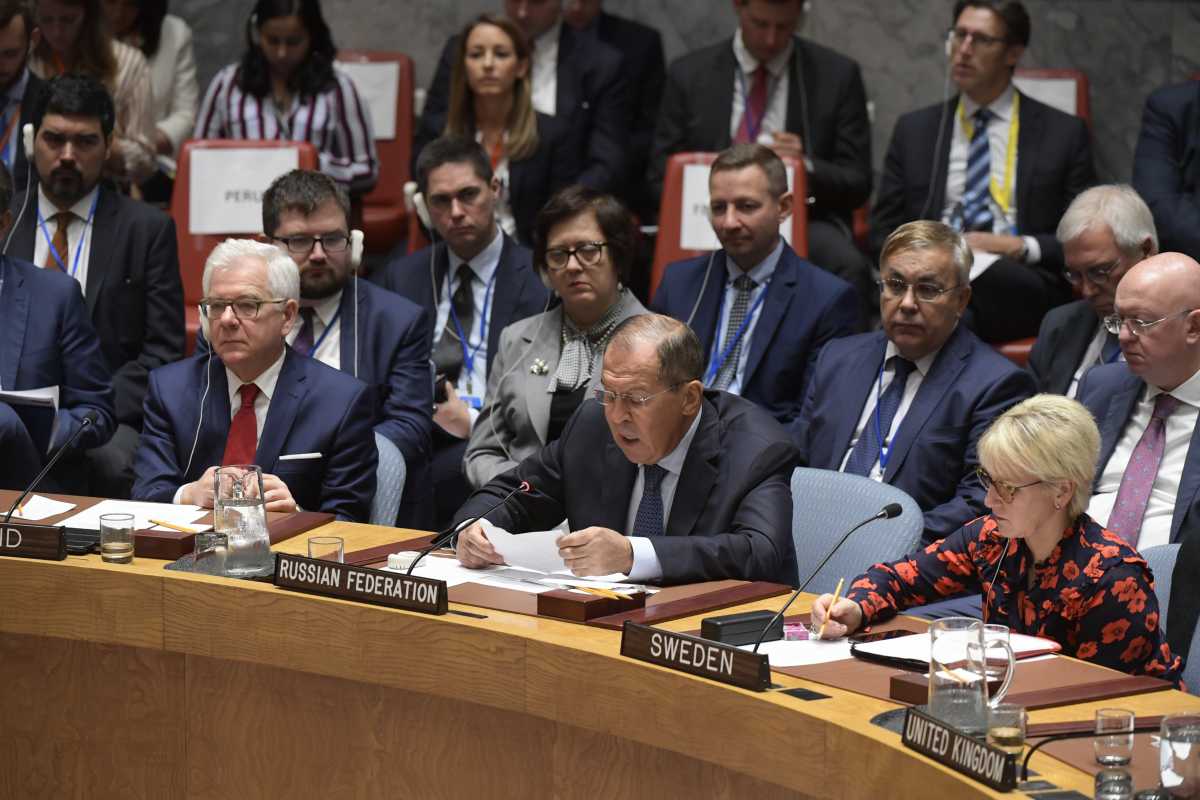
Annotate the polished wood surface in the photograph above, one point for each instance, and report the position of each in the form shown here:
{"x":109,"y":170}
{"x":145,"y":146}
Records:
{"x":135,"y":681}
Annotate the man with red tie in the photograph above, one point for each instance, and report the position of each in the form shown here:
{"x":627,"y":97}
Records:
{"x":251,"y":399}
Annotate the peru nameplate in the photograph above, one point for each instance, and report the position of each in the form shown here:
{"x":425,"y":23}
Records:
{"x":33,"y":541}
{"x":362,"y":584}
{"x":720,"y":662}
{"x":962,"y":753}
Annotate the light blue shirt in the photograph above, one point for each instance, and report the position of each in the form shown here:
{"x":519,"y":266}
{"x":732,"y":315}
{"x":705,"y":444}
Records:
{"x":483,"y":268}
{"x":761,"y":274}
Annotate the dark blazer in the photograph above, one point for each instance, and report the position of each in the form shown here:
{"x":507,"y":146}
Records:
{"x":1166,"y":166}
{"x":827,"y":107}
{"x":519,"y":292}
{"x":1061,"y":342}
{"x":315,"y":409}
{"x":805,"y":307}
{"x":732,"y":513}
{"x":1054,"y":163}
{"x":592,"y":96}
{"x":21,"y":172}
{"x":133,"y":293}
{"x":933,"y":457}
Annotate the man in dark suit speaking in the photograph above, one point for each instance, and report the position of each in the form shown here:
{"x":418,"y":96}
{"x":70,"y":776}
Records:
{"x":659,"y":480}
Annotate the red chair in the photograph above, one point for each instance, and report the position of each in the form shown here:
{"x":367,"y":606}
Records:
{"x":667,"y":246}
{"x":1017,"y":351}
{"x":1053,"y":87}
{"x":194,"y":248}
{"x":384,"y":215}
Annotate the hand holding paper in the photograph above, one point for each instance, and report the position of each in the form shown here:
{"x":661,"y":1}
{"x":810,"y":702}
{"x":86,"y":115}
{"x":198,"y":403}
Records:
{"x":596,"y":551}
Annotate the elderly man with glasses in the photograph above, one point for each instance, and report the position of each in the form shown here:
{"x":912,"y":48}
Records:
{"x":658,"y":478}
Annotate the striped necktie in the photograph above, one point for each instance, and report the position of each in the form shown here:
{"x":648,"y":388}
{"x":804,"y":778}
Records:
{"x":977,"y":210}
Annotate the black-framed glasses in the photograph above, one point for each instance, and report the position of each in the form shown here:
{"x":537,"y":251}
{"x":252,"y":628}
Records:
{"x":1007,"y":491}
{"x":1114,"y":323}
{"x":586,"y":253}
{"x":925,"y":292}
{"x":634,"y":399}
{"x":960,"y":35}
{"x":243,"y":307}
{"x":303,"y":245}
{"x":1097,"y":276}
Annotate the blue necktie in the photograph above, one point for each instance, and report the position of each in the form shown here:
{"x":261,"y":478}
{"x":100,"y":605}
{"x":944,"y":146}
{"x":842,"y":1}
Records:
{"x":977,"y":211}
{"x":866,"y":450}
{"x":744,"y":285}
{"x":1111,"y":350}
{"x":649,"y":519}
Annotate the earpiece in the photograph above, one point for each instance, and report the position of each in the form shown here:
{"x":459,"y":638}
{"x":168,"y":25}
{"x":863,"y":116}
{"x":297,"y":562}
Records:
{"x":949,"y":44}
{"x":356,"y":249}
{"x":27,"y":140}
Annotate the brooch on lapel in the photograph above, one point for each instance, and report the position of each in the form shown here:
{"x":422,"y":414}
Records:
{"x":539,"y":367}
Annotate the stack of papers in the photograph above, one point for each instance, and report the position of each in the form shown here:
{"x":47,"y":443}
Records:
{"x":37,"y":508}
{"x":143,"y":513}
{"x":803,"y":652}
{"x":916,"y":647}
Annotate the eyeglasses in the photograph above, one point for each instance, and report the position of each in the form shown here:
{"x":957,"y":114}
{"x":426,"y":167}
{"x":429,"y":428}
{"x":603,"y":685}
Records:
{"x":1007,"y":491}
{"x":1097,"y":276}
{"x":925,"y":292}
{"x":960,"y":35}
{"x":635,"y":400}
{"x":1114,"y":323}
{"x":243,"y":307}
{"x":303,"y":245}
{"x":586,"y":253}
{"x":465,"y":197}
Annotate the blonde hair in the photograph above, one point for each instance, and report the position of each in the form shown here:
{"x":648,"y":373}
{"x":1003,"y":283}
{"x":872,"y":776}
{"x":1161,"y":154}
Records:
{"x":923,"y":234}
{"x":1048,"y":437}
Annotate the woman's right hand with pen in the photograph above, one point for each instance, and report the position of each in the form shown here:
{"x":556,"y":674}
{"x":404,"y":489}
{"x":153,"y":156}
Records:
{"x":844,"y":619}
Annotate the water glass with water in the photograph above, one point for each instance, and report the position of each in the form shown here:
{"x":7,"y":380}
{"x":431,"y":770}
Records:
{"x":1113,"y":744}
{"x":116,"y":538}
{"x":210,"y":552}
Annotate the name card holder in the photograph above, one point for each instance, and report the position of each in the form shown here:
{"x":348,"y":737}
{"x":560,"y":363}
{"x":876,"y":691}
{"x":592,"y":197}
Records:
{"x":361,"y":584}
{"x":680,"y":651}
{"x":25,"y":540}
{"x":962,"y":753}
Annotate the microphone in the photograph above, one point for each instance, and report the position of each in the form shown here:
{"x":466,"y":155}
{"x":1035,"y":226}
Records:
{"x":445,"y":535}
{"x":89,"y":418}
{"x":890,"y":511}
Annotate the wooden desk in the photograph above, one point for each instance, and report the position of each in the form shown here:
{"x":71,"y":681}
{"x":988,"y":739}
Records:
{"x":139,"y":682}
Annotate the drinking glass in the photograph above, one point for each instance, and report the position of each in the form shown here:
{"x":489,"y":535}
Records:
{"x":240,"y":513}
{"x":1179,"y":755}
{"x":994,"y":652}
{"x":1114,"y":736}
{"x":1006,"y":727}
{"x":210,"y":553}
{"x":116,"y":538}
{"x":327,"y":548}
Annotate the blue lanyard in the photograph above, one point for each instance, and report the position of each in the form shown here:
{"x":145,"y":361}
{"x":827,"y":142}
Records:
{"x":884,"y":452}
{"x":78,"y":247}
{"x":469,"y":352}
{"x":714,"y":366}
{"x":317,"y":344}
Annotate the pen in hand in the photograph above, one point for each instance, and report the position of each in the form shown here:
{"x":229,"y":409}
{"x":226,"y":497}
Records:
{"x":829,"y":611}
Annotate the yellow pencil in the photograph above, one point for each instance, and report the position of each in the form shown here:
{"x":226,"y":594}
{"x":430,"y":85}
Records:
{"x":172,"y":526}
{"x":836,"y":594}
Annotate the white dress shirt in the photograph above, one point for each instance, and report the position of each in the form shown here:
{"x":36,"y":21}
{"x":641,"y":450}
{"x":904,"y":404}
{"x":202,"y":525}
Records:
{"x":775,"y":118}
{"x":483,"y":289}
{"x":761,"y":273}
{"x":79,"y":235}
{"x":878,"y":387}
{"x":325,"y":314}
{"x":544,"y":75}
{"x":646,"y":566}
{"x":1156,"y":524}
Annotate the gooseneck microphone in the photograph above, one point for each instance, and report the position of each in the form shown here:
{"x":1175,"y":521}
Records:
{"x":890,"y":511}
{"x":89,"y":418}
{"x":445,"y":535}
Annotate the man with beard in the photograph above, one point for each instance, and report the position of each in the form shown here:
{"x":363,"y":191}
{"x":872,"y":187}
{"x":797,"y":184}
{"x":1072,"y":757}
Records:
{"x":18,"y":85}
{"x":121,"y":252}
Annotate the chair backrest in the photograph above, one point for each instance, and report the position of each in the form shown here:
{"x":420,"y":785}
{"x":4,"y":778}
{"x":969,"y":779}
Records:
{"x":385,"y":83}
{"x":1064,"y":89}
{"x":389,"y":482}
{"x":826,"y":504}
{"x":1161,"y":560}
{"x":223,"y":181}
{"x":683,"y":227}
{"x":1018,"y":350}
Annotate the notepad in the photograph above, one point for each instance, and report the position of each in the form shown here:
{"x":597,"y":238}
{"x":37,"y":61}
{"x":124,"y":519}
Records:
{"x":916,"y":647}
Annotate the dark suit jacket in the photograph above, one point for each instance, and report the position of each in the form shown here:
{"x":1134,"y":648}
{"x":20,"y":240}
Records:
{"x":1166,"y":166}
{"x":21,"y":168}
{"x":732,"y":513}
{"x":827,"y":107}
{"x":134,"y":293}
{"x":1054,"y":163}
{"x":592,"y":96}
{"x":1061,"y":342}
{"x":519,"y":292}
{"x":933,"y":457}
{"x":315,"y":409}
{"x":805,"y":307}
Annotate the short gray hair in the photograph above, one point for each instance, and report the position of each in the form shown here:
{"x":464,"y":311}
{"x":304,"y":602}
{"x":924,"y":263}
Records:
{"x":1119,"y":207}
{"x":923,"y":234}
{"x":680,"y":356}
{"x":283,"y":276}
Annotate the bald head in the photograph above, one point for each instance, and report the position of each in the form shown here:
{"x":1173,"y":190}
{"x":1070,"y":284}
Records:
{"x":1165,"y":290}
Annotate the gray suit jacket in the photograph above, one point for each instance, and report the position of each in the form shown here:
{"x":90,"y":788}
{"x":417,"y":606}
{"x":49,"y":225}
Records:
{"x":513,"y":424}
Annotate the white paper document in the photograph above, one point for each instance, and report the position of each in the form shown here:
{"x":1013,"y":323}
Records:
{"x":981,"y":261}
{"x":536,"y":550}
{"x":89,"y":519}
{"x":37,"y":508}
{"x":803,"y":652}
{"x":916,"y":646}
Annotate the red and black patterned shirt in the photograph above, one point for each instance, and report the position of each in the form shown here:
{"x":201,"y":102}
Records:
{"x":1094,"y":594}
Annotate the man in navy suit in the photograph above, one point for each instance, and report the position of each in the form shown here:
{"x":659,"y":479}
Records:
{"x":375,"y":335}
{"x":907,"y":405}
{"x":1008,"y":200}
{"x":660,"y":479}
{"x":18,"y":85}
{"x":251,"y":399}
{"x":762,"y":313}
{"x":1166,"y":165}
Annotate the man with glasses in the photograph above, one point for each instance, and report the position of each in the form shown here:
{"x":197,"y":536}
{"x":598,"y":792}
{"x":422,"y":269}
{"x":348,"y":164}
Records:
{"x":907,"y":405}
{"x":1106,"y":230}
{"x":251,"y":399}
{"x":995,"y":164}
{"x":658,"y":478}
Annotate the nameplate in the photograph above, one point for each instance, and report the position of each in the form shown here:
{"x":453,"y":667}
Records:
{"x":33,"y":541}
{"x":720,"y":662}
{"x":953,"y":748}
{"x":363,"y":584}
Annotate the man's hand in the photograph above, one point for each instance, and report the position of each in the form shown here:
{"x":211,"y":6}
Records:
{"x":787,"y":145}
{"x":1002,"y":245}
{"x":454,"y":416}
{"x":200,"y":491}
{"x":596,"y":551}
{"x":474,"y":550}
{"x":277,"y":495}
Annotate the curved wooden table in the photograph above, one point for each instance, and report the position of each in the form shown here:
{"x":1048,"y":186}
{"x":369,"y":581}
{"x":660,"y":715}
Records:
{"x":140,"y":682}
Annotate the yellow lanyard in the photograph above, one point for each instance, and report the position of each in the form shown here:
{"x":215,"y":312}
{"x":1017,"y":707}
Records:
{"x":1002,"y":189}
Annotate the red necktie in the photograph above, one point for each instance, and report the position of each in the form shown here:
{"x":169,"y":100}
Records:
{"x":243,"y":432}
{"x":755,"y":109}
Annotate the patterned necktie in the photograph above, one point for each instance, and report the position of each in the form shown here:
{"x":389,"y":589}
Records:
{"x":755,"y":108}
{"x":977,"y":211}
{"x":59,"y":243}
{"x":242,"y":442}
{"x":744,"y":285}
{"x":1134,"y":492}
{"x":649,"y":519}
{"x":448,"y":354}
{"x":866,"y":450}
{"x":307,"y":336}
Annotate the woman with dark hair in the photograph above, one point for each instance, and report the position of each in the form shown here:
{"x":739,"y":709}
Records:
{"x":491,"y":102}
{"x":287,"y":87}
{"x":585,"y":243}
